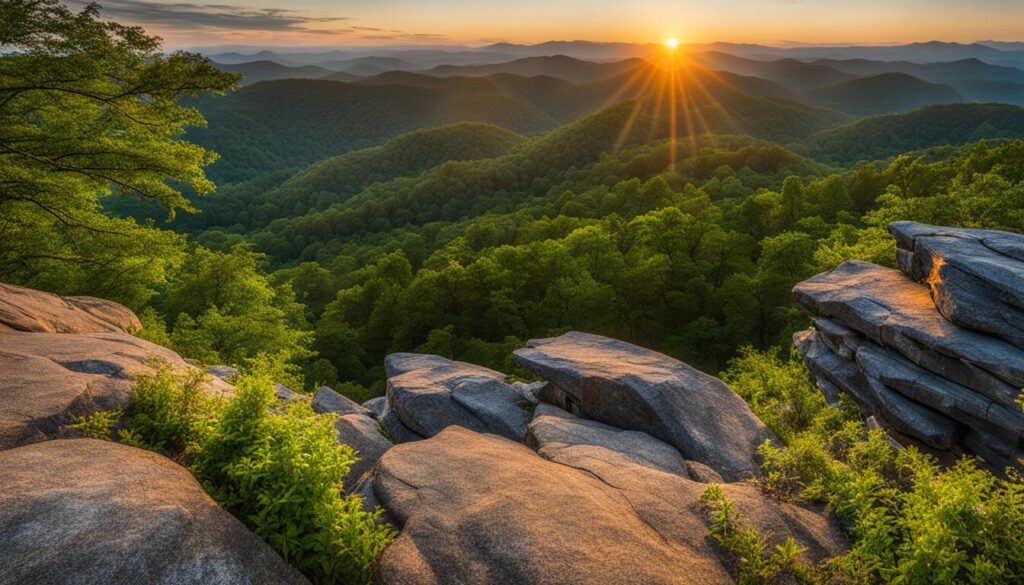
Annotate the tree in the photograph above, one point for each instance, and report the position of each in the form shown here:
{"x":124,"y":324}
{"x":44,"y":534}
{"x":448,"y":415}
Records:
{"x":89,"y":109}
{"x":224,"y":309}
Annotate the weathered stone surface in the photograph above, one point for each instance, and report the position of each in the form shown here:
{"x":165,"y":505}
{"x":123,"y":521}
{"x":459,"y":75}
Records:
{"x":85,"y":511}
{"x":46,"y":379}
{"x":359,"y":431}
{"x":377,"y":405}
{"x":890,"y":310}
{"x":638,"y":389}
{"x":478,"y":510}
{"x":998,"y":453}
{"x":226,"y":373}
{"x":702,"y":473}
{"x":327,"y":400}
{"x":25,"y":309}
{"x":842,"y":340}
{"x":396,"y":429}
{"x":430,"y":393}
{"x":976,"y":277}
{"x":531,"y":391}
{"x":945,"y":396}
{"x":899,"y":412}
{"x":563,"y":438}
{"x":284,"y":393}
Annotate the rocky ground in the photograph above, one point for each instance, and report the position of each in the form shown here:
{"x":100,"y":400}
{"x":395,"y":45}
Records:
{"x":593,"y":474}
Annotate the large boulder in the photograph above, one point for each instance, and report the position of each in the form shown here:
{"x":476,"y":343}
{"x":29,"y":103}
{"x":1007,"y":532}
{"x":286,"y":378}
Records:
{"x":84,"y":511}
{"x":559,"y":436}
{"x":887,"y":308}
{"x":976,"y":277}
{"x":47,"y":379}
{"x":480,"y":510}
{"x":430,"y":393}
{"x":633,"y":388}
{"x":25,"y":309}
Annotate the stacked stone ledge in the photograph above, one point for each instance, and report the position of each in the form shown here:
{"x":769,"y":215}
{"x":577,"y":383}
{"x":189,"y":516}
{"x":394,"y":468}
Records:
{"x":935,"y":350}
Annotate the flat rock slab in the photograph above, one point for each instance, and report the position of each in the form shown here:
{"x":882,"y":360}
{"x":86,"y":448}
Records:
{"x":430,"y":393}
{"x":887,"y":308}
{"x":47,"y":379}
{"x":976,"y":277}
{"x":25,"y":309}
{"x":84,"y":511}
{"x":477,"y":509}
{"x":559,"y":436}
{"x":633,"y":388}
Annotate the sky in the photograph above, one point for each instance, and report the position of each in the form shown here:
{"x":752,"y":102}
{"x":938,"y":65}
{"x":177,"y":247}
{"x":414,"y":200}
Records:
{"x":477,"y":22}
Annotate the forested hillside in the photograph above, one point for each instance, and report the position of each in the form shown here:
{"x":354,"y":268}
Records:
{"x":885,"y":136}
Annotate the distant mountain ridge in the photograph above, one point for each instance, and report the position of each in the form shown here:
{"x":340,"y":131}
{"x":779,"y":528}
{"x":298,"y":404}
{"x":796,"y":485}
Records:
{"x":886,"y":93}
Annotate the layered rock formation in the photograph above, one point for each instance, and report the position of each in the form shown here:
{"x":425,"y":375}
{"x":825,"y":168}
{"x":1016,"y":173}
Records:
{"x":931,"y":351}
{"x":609,"y":496}
{"x":85,"y":511}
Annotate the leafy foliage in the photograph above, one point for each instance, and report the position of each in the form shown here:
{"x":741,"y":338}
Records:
{"x":88,"y":108}
{"x":910,"y":520}
{"x":98,"y":425}
{"x":882,"y":137}
{"x":755,"y":565}
{"x":278,"y":469}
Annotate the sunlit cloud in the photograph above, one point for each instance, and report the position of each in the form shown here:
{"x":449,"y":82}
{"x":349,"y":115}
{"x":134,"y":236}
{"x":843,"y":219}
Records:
{"x":213,"y":16}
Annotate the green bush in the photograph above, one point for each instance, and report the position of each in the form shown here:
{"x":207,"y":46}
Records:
{"x":171,"y":413}
{"x":276,"y":467}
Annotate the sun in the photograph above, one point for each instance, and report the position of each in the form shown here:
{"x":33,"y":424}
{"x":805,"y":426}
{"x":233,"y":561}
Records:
{"x":672,"y":44}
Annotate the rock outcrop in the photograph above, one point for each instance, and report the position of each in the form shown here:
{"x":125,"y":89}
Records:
{"x":47,"y":379}
{"x":633,"y":388}
{"x":428,"y":393}
{"x":85,"y":511}
{"x":931,"y":351}
{"x":478,"y":509}
{"x":25,"y":309}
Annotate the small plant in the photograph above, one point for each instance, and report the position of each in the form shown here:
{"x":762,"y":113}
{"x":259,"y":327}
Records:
{"x":98,"y":425}
{"x":755,"y":566}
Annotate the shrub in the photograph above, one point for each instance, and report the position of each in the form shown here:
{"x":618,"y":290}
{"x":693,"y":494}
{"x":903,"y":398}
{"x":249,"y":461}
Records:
{"x":275,"y":467}
{"x":171,"y":413}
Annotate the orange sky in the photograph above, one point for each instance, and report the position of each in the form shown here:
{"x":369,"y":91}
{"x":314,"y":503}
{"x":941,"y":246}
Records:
{"x":332,"y":22}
